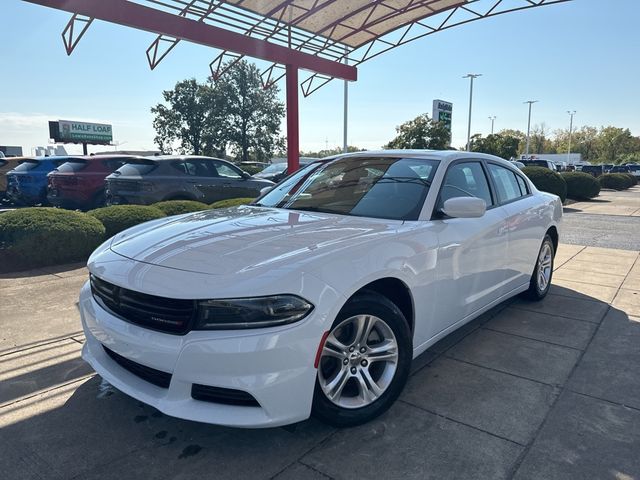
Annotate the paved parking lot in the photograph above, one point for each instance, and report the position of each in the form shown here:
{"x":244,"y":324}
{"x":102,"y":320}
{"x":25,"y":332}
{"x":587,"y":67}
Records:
{"x":529,"y":390}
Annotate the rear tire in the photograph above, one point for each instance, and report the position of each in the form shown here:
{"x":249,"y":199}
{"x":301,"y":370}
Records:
{"x":542,"y":272}
{"x":365,"y":362}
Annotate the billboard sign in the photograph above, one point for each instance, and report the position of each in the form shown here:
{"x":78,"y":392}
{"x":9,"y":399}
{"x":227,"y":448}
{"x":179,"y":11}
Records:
{"x":66,"y":131}
{"x":442,"y":112}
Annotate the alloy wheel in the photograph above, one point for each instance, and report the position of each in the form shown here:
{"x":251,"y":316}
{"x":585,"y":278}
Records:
{"x":358,"y":361}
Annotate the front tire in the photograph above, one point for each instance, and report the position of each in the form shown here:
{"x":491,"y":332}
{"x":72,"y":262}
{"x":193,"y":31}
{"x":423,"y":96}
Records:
{"x":364,"y":362}
{"x":542,"y":272}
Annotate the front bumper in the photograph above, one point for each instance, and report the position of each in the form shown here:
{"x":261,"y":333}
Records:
{"x":274,"y":365}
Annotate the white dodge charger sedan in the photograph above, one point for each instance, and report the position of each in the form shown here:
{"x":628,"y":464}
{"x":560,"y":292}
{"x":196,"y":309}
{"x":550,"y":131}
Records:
{"x":314,"y":299}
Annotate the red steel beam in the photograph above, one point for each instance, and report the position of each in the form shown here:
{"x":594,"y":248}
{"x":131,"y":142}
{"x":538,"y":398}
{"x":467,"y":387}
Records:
{"x":293,"y":135}
{"x":133,"y":15}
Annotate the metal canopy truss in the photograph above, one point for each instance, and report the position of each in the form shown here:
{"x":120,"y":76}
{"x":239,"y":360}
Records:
{"x":70,"y":35}
{"x":329,"y":38}
{"x":338,"y":29}
{"x":462,"y":14}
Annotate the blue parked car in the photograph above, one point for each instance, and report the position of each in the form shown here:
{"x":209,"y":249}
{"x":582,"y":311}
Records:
{"x":27,"y":183}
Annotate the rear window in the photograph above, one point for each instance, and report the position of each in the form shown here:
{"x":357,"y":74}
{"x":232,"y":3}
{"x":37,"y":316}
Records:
{"x":72,"y":166}
{"x":139,"y":167}
{"x":26,"y":166}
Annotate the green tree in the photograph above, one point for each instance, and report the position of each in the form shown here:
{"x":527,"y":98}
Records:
{"x":193,"y":117}
{"x":234,"y":113}
{"x":254,"y":113}
{"x":613,"y":143}
{"x":423,"y":133}
{"x":501,"y":145}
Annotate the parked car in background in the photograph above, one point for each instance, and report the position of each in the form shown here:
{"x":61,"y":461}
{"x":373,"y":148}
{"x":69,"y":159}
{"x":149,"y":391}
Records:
{"x":539,"y":163}
{"x":153,"y":179}
{"x":606,"y":167}
{"x":278,"y":170}
{"x":620,"y":169}
{"x":314,"y":299}
{"x":6,"y":165}
{"x":634,"y":169}
{"x":27,"y":182}
{"x":79,"y":183}
{"x":595,"y":170}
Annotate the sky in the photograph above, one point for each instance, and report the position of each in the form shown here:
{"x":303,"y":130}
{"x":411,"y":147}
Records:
{"x":581,"y":55}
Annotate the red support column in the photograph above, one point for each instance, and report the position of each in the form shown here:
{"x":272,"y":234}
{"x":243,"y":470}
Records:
{"x":293,"y":128}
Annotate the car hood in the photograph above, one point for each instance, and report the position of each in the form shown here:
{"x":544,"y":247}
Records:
{"x":246,"y":239}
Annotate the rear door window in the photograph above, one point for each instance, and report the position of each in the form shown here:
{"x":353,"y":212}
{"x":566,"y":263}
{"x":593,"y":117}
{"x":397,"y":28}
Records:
{"x":195,"y":168}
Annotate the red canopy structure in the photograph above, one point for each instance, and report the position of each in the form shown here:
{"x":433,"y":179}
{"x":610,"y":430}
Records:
{"x":328,"y":38}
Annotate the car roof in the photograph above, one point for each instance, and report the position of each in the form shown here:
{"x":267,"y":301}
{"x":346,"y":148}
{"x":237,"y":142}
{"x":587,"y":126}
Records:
{"x":163,"y":158}
{"x":445,"y":156}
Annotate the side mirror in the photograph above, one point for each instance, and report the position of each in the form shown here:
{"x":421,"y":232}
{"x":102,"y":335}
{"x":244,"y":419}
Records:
{"x":245,"y":175}
{"x":464,"y":207}
{"x":265,"y":190}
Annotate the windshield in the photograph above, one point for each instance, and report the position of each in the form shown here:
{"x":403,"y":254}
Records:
{"x":377,"y":187}
{"x":275,"y":168}
{"x":26,"y":166}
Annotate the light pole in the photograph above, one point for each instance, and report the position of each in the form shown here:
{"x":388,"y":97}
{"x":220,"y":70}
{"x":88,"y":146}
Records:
{"x":493,"y":119}
{"x":571,"y":114}
{"x":472,"y":77}
{"x":530,"y":102}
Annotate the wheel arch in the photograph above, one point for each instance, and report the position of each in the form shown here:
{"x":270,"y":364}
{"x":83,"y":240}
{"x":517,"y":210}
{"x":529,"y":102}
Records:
{"x":396,"y":291}
{"x":553,"y":233}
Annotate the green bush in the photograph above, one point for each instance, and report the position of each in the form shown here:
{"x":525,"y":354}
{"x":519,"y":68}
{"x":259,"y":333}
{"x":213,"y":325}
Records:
{"x":38,"y":236}
{"x":231,"y":202}
{"x":177,"y":207}
{"x":633,"y":178}
{"x":615,"y":181}
{"x":547,"y":181}
{"x":120,"y":217}
{"x":581,"y":186}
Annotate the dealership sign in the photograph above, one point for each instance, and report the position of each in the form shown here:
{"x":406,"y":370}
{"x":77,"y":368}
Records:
{"x":65,"y":131}
{"x":442,"y":112}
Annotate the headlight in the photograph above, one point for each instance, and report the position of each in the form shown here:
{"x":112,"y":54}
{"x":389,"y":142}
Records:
{"x":256,"y":312}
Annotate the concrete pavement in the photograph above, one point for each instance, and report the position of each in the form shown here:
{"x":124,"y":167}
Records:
{"x":528,"y":390}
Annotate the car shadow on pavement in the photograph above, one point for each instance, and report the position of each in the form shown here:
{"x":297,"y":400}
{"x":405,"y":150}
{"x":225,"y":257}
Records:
{"x":528,"y":390}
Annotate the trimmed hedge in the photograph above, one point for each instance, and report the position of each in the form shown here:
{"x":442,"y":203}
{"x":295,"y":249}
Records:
{"x":581,"y":186}
{"x":547,"y":181}
{"x":633,"y":178}
{"x":178,"y":207}
{"x":615,"y":181}
{"x":40,"y":236}
{"x":231,"y":202}
{"x":120,"y":217}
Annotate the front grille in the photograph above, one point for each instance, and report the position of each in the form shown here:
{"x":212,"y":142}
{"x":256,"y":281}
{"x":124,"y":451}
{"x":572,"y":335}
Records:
{"x":167,"y":315}
{"x":151,"y":375}
{"x":227,"y":396}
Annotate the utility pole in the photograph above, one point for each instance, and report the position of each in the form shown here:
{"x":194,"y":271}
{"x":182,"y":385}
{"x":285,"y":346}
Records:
{"x":530,"y":102}
{"x":571,"y":113}
{"x":472,"y":77}
{"x":493,"y":119}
